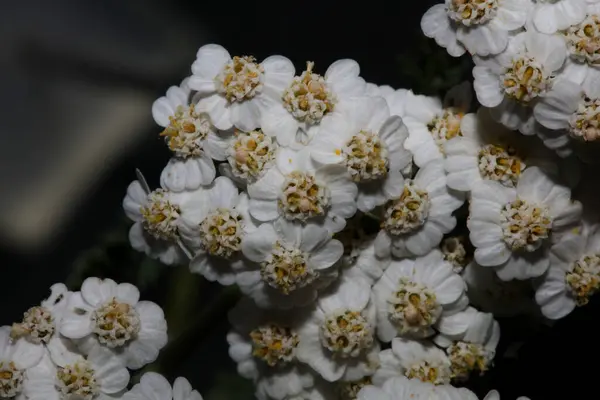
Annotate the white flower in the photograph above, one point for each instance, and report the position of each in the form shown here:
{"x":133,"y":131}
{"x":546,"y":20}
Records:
{"x":338,"y":339}
{"x":154,"y":386}
{"x":489,"y":151}
{"x":216,"y":231}
{"x":557,"y":15}
{"x":494,"y":395}
{"x":470,"y":338}
{"x":235,"y":91}
{"x":296,"y":191}
{"x":158,"y":216}
{"x":512,"y":228}
{"x":415,"y":222}
{"x":574,"y":273}
{"x":191,"y":138}
{"x":295,"y":261}
{"x":480,"y":27}
{"x":490,"y":294}
{"x":309,"y":99}
{"x":402,"y":388}
{"x":110,"y":315}
{"x":455,"y":251}
{"x":511,"y":82}
{"x":413,"y":296}
{"x":431,"y":124}
{"x":582,"y":44}
{"x":415,"y":360}
{"x":17,"y":358}
{"x":100,"y":376}
{"x":369,"y":144}
{"x":264,"y":345}
{"x":41,"y":324}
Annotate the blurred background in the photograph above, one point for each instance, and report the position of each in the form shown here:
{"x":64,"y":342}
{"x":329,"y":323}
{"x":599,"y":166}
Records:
{"x":78,"y":79}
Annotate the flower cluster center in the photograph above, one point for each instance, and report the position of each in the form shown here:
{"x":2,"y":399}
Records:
{"x":432,"y":372}
{"x":500,"y":164}
{"x":407,"y":213}
{"x":468,"y":357}
{"x":453,"y":249}
{"x":583,"y":280}
{"x":11,"y":379}
{"x":160,"y":216}
{"x":116,"y":323}
{"x":287,"y":269}
{"x":445,"y":127}
{"x":186,"y":132}
{"x":366,"y":157}
{"x":472,"y":12}
{"x":583,"y":40}
{"x":241,"y":79}
{"x":302,"y":197}
{"x":274,"y":344}
{"x":251,"y":154}
{"x":77,"y":382}
{"x":585,"y":121}
{"x":346,"y":333}
{"x":525,"y":80}
{"x":525,"y":225}
{"x":349,"y":390}
{"x":413,"y":308}
{"x":221,"y":233}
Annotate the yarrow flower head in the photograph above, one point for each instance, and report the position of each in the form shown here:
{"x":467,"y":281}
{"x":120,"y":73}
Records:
{"x":154,"y":386}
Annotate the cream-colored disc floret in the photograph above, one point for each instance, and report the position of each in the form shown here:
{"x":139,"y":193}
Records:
{"x":349,"y":390}
{"x":11,"y":379}
{"x":472,"y":12}
{"x":583,"y":40}
{"x":584,"y":124}
{"x":468,"y":357}
{"x":309,"y":98}
{"x":286,"y":269}
{"x":303,"y":197}
{"x":77,"y":382}
{"x":186,"y":131}
{"x":500,"y":164}
{"x":407,"y":213}
{"x":435,"y":373}
{"x":240,"y":79}
{"x":251,"y":154}
{"x":583,"y":280}
{"x":274,"y":344}
{"x":525,"y":80}
{"x":446,"y":126}
{"x":160,"y":216}
{"x":413,"y":308}
{"x":221,"y":232}
{"x":37,"y":326}
{"x":115,"y":323}
{"x":346,"y":333}
{"x":454,"y":251}
{"x":366,"y":157}
{"x":525,"y":225}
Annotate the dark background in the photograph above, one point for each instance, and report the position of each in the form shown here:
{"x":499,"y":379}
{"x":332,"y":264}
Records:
{"x":78,"y":79}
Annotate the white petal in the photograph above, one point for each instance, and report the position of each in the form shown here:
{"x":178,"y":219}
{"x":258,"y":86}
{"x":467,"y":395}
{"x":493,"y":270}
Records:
{"x":245,"y":115}
{"x":555,"y":109}
{"x":76,"y":322}
{"x":133,"y":201}
{"x":97,"y":291}
{"x":108,"y":370}
{"x":217,"y":108}
{"x":128,"y":293}
{"x":487,"y":87}
{"x":326,"y":256}
{"x":258,"y":247}
{"x":483,"y":40}
{"x":210,"y":59}
{"x":548,"y":50}
{"x":278,"y":122}
{"x":155,"y":387}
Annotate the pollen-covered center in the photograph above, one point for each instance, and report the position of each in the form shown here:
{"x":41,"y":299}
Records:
{"x":160,"y":216}
{"x":186,"y":132}
{"x":366,"y":157}
{"x":583,"y":40}
{"x":251,"y":154}
{"x":302,"y":197}
{"x":287,"y":269}
{"x":435,"y":373}
{"x":346,"y":333}
{"x":221,"y":232}
{"x":11,"y":379}
{"x":445,"y":126}
{"x":240,"y":79}
{"x":37,"y":326}
{"x":413,"y":308}
{"x":77,"y":382}
{"x":525,"y":225}
{"x":453,"y":249}
{"x":274,"y":344}
{"x":472,"y":12}
{"x":349,"y":390}
{"x":500,"y":164}
{"x":584,"y":123}
{"x":525,"y":80}
{"x":583,"y":281}
{"x":309,"y":98}
{"x":115,"y":323}
{"x":407,"y":213}
{"x":468,"y":357}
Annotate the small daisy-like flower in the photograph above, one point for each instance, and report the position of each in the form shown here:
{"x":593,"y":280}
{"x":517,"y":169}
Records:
{"x":489,"y":151}
{"x":296,"y":191}
{"x":337,"y":340}
{"x":17,"y":359}
{"x":415,"y":222}
{"x":235,"y":91}
{"x":512,"y":82}
{"x":264,"y":345}
{"x":493,"y":295}
{"x":154,"y":386}
{"x":215,"y":232}
{"x":470,"y":340}
{"x":100,"y":376}
{"x":415,"y":360}
{"x":415,"y":295}
{"x":432,"y":123}
{"x":109,"y":315}
{"x":480,"y":27}
{"x":511,"y":228}
{"x":158,"y":216}
{"x":191,"y":138}
{"x":574,"y":273}
{"x":550,"y":16}
{"x":310,"y":99}
{"x":294,"y":262}
{"x":370,"y":145}
{"x":402,"y":388}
